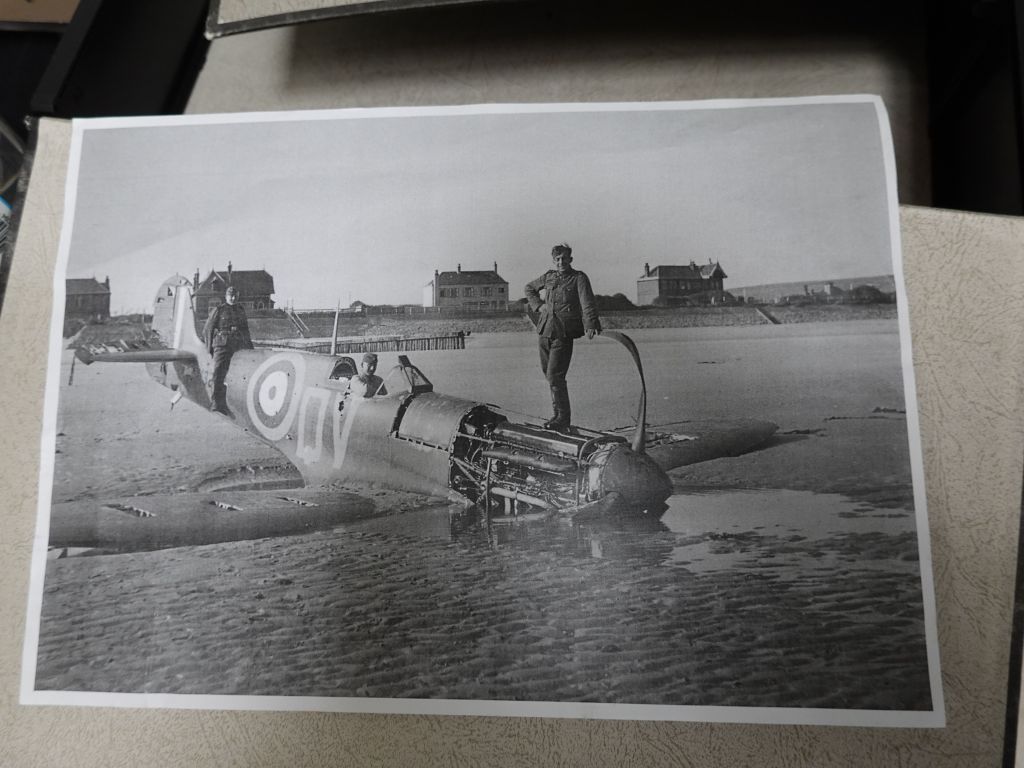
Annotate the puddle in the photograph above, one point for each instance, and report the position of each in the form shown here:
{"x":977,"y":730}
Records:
{"x":701,"y":531}
{"x":782,"y":528}
{"x":809,"y":514}
{"x":434,"y":522}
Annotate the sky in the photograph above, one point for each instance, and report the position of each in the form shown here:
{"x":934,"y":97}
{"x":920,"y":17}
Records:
{"x":366,"y":204}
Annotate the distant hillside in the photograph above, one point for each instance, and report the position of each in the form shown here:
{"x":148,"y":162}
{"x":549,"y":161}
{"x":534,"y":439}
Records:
{"x":772,"y":291}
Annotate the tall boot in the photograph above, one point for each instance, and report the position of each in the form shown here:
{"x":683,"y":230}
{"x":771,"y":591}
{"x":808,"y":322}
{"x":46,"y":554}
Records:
{"x":564,"y":409}
{"x":560,"y":405}
{"x":218,"y":398}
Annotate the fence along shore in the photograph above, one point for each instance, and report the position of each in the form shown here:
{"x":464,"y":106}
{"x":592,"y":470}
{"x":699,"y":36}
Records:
{"x":374,"y":344}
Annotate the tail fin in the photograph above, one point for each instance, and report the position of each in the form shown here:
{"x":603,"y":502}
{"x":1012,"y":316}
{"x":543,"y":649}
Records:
{"x":174,"y":316}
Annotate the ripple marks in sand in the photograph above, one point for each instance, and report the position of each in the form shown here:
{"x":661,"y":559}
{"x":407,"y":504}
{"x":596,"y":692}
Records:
{"x":374,"y":615}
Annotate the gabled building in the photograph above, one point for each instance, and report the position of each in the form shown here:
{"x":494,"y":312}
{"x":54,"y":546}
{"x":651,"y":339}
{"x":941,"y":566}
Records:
{"x":87,"y":299}
{"x":671,"y":284}
{"x":467,"y":289}
{"x":255,"y":288}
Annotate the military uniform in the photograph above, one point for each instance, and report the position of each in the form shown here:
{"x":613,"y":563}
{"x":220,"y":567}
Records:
{"x":226,"y":331}
{"x":369,"y":385}
{"x":566,"y":313}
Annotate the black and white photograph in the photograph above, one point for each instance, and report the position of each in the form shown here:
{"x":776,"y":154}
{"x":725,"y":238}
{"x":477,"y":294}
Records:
{"x":562,"y":410}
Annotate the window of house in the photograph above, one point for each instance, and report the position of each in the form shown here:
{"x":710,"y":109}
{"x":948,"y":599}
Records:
{"x":501,"y":289}
{"x":486,"y":290}
{"x":467,"y":291}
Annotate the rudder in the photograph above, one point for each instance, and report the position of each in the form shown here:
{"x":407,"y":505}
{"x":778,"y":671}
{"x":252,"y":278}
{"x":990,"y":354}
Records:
{"x":174,"y":317}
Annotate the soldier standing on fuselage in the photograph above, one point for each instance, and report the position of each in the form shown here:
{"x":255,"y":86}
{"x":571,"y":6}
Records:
{"x":225,"y":332}
{"x":567,"y":312}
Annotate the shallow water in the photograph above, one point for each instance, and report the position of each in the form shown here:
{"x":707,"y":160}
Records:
{"x":794,"y":516}
{"x":767,"y":598}
{"x":701,"y":531}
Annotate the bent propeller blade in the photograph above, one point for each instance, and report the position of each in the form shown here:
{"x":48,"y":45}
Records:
{"x":640,"y":436}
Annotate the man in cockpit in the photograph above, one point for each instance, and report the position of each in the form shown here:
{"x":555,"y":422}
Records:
{"x":226,"y":331}
{"x":367,"y":383}
{"x":567,"y":312}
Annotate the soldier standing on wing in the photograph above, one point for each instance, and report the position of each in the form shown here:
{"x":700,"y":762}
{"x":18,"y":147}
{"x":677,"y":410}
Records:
{"x":567,"y":312}
{"x":225,"y":332}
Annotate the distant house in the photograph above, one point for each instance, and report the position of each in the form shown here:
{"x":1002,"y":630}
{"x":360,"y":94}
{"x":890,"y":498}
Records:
{"x":869,"y":294}
{"x":669,"y":284}
{"x":255,"y":288}
{"x":467,"y":289}
{"x":844,"y":291}
{"x":828,"y":293}
{"x":833,"y":291}
{"x":87,"y":299}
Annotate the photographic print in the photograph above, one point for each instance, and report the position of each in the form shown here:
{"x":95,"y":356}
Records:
{"x":573,"y":410}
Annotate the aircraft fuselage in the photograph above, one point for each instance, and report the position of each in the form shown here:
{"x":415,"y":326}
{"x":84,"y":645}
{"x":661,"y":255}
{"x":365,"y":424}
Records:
{"x":416,"y":439}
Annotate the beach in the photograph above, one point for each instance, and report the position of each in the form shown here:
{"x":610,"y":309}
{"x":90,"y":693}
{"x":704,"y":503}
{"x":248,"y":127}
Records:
{"x":786,"y":577}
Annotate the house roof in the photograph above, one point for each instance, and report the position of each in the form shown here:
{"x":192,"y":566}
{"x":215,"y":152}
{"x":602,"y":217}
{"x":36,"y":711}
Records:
{"x":75,"y":286}
{"x":470,"y":277}
{"x":689,"y":271}
{"x":249,"y":282}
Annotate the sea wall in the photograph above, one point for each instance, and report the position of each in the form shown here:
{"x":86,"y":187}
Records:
{"x":320,"y":325}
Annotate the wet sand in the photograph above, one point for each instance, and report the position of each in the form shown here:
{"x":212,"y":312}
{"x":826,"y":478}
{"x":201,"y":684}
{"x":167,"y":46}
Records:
{"x":772,"y":615}
{"x":366,"y":614}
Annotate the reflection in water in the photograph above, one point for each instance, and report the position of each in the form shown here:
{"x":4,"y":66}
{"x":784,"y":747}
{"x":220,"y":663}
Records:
{"x":700,"y":531}
{"x":755,"y":599}
{"x":640,"y":538}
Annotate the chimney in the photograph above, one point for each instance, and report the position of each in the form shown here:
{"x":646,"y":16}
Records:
{"x":459,"y":268}
{"x":647,"y":270}
{"x":229,"y":273}
{"x":195,"y":283}
{"x":436,"y":274}
{"x":495,"y":267}
{"x":107,"y":282}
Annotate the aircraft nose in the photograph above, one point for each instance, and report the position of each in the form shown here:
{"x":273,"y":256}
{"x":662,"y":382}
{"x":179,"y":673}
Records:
{"x":635,"y":477}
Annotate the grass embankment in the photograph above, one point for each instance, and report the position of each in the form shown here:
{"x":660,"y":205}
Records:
{"x":823,"y":313}
{"x":682,"y":317}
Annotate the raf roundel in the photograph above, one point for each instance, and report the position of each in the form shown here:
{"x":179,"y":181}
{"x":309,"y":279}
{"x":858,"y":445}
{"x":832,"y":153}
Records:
{"x":273,"y":392}
{"x":272,"y":397}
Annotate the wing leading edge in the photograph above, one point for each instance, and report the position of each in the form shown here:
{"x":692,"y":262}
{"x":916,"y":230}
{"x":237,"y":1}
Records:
{"x":88,"y":356}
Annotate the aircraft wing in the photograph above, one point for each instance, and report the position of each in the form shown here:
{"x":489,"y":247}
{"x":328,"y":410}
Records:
{"x":104,"y":354}
{"x":691,"y":442}
{"x":140,"y":523}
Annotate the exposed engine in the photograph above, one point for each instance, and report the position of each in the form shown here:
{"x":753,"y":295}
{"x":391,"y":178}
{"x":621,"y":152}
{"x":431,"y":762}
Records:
{"x":510,"y":465}
{"x":504,"y":465}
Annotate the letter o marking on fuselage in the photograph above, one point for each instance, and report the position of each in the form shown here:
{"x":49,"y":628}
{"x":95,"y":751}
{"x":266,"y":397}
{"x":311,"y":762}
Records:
{"x":273,"y":394}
